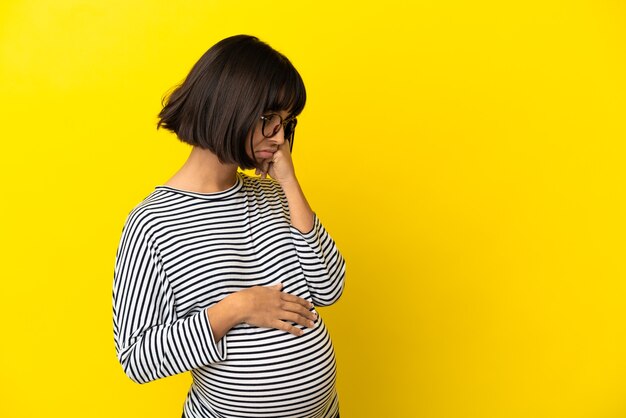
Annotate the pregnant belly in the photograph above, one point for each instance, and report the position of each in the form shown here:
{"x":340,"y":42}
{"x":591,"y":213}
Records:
{"x":270,"y":373}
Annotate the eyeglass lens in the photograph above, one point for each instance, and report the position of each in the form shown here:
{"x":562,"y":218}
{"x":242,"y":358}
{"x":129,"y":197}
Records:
{"x":271,"y":126}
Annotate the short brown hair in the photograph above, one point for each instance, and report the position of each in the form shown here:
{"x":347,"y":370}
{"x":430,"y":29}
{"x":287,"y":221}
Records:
{"x":219,"y":103}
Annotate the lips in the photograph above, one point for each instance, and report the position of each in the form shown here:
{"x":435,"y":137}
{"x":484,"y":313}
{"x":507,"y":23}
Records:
{"x":266,"y":153}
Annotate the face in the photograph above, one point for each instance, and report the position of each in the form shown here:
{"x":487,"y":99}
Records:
{"x":264,"y":148}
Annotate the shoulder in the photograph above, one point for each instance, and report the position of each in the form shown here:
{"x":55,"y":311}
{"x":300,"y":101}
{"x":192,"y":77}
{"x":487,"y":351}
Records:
{"x":258,"y":185}
{"x":142,"y":217}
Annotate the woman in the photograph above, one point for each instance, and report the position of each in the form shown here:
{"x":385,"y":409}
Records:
{"x":218,"y":272}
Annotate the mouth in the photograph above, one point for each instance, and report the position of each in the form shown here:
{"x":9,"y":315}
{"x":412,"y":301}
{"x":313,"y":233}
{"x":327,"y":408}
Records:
{"x":266,"y":153}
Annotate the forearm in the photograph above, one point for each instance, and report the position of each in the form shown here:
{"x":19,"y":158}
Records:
{"x":153,"y":350}
{"x":299,"y":209}
{"x":223,"y":316}
{"x":260,"y":306}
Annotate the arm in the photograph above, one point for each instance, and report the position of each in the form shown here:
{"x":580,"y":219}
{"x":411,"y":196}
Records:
{"x":302,"y":217}
{"x":261,"y":306}
{"x":281,"y":169}
{"x":151,"y":342}
{"x":321,"y":261}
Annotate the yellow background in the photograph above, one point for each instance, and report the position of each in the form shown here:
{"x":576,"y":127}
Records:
{"x":467,"y":157}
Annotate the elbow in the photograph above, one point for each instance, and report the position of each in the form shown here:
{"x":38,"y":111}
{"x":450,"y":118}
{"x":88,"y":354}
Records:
{"x":132,"y":368}
{"x":340,"y":280}
{"x":338,"y":294}
{"x":329,"y":299}
{"x":132,"y":373}
{"x":333,"y":294}
{"x":135,"y":377}
{"x":341,"y":286}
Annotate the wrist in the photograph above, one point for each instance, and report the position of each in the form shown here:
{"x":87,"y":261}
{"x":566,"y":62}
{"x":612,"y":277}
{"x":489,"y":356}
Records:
{"x":227,"y":311}
{"x":235,"y":305}
{"x":222,"y":316}
{"x":290,"y":183}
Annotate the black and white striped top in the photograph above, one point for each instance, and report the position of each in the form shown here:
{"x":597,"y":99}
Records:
{"x":181,"y":252}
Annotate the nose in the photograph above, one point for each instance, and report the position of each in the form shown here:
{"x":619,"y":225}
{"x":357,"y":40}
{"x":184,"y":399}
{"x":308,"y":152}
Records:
{"x":279,"y":138}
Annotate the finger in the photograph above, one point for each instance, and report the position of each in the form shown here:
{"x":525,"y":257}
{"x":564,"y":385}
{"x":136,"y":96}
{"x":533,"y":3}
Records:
{"x":298,"y":319}
{"x":282,"y":325}
{"x":300,"y":310}
{"x":295,"y":299}
{"x":277,"y":286}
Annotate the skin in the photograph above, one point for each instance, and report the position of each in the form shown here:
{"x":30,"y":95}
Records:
{"x":261,"y":306}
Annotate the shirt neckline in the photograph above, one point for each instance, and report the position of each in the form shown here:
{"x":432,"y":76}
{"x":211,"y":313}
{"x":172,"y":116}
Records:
{"x":215,"y":195}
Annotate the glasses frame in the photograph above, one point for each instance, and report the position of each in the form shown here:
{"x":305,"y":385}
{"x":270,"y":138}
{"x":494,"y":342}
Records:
{"x":267,"y":117}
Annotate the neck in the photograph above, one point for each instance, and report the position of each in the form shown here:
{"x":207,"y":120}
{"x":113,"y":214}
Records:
{"x":204,"y":173}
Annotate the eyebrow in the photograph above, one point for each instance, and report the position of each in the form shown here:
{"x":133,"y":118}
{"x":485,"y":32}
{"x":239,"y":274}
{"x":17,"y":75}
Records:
{"x":277,"y":112}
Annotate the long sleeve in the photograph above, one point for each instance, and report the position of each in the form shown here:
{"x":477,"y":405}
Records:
{"x":151,"y":342}
{"x":322,"y":263}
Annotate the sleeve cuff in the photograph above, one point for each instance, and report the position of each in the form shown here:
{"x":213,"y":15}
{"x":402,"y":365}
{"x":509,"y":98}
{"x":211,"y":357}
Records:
{"x":311,"y":236}
{"x":214,"y":352}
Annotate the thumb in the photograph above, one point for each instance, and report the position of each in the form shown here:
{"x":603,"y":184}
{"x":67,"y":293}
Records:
{"x":278,"y":286}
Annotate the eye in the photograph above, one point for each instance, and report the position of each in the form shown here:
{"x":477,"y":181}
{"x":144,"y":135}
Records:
{"x":271,"y":125}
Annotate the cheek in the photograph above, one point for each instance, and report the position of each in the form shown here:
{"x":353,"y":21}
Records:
{"x":257,"y":142}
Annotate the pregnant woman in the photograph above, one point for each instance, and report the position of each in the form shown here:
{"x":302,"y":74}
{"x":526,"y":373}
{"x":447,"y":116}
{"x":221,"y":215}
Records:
{"x":218,"y":272}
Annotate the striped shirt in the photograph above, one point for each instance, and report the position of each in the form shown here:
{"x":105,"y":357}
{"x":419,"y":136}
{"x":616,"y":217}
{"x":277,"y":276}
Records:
{"x":181,"y":252}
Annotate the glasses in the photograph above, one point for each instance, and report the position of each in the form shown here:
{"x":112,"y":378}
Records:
{"x":272,"y":124}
